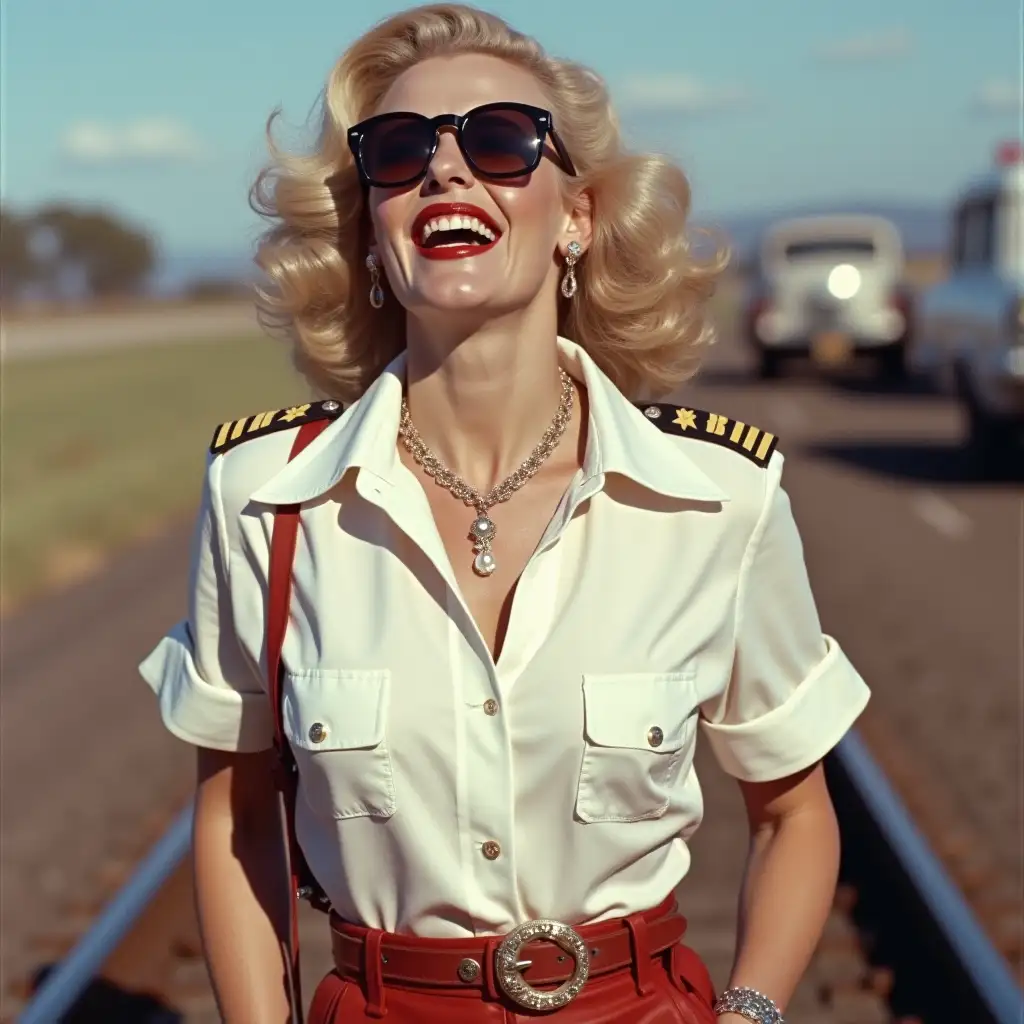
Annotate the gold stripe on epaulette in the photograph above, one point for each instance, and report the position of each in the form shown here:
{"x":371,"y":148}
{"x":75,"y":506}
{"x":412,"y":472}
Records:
{"x":222,"y":434}
{"x":765,"y":446}
{"x":715,"y":424}
{"x":263,"y":419}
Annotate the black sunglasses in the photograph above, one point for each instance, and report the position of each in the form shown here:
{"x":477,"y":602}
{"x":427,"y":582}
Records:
{"x":498,"y":140}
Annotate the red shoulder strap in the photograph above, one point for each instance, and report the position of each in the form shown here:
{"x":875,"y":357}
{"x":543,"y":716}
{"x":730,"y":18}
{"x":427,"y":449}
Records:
{"x":282,"y":554}
{"x":279,"y":586}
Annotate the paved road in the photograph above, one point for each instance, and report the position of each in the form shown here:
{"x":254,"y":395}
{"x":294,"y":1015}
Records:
{"x":917,"y":570}
{"x":28,"y":338}
{"x":86,"y":772}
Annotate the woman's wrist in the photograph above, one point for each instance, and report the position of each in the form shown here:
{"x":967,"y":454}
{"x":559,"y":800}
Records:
{"x":739,"y":1003}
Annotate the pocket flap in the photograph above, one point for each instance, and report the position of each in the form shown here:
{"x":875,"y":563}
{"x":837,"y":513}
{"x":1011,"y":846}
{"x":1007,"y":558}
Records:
{"x":641,"y":710}
{"x":334,"y":709}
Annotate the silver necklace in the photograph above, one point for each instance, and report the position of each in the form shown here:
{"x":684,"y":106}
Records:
{"x":483,"y":529}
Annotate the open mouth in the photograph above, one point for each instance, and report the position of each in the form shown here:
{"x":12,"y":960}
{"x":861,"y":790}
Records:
{"x":454,"y":230}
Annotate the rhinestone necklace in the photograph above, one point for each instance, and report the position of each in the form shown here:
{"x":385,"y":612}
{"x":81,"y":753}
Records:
{"x":483,"y":529}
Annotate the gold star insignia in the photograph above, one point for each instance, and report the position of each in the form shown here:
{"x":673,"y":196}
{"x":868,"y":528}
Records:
{"x":686,"y":418}
{"x":294,"y":413}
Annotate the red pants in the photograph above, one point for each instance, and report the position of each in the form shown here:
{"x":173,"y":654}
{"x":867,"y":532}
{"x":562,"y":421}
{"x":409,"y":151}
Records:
{"x":639,"y":974}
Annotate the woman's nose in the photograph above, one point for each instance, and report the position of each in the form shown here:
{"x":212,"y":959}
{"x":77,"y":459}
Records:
{"x":448,"y":167}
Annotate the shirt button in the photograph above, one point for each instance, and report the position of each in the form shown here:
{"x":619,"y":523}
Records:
{"x":490,"y":707}
{"x":318,"y":732}
{"x":491,"y":850}
{"x":655,"y":736}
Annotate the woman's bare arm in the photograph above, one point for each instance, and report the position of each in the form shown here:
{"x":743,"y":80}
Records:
{"x":241,"y":895}
{"x":789,"y":883}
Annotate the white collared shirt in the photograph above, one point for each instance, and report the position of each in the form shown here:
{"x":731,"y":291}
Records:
{"x":444,"y":795}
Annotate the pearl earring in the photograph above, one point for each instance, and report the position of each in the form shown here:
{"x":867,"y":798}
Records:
{"x":573,"y":251}
{"x":376,"y":292}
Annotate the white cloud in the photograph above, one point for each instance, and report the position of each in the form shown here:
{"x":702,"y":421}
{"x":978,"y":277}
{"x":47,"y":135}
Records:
{"x":146,"y":141}
{"x":672,"y":93}
{"x":866,"y":49}
{"x":998,"y":96}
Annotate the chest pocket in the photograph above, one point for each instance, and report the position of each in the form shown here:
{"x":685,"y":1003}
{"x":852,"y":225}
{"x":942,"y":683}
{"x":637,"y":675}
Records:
{"x":639,"y":733}
{"x":335,"y":722}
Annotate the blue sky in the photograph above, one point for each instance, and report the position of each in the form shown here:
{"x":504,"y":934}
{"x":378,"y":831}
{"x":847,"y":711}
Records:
{"x":156,"y":109}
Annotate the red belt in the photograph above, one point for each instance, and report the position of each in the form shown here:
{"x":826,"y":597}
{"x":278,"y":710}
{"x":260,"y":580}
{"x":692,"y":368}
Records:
{"x":527,"y":953}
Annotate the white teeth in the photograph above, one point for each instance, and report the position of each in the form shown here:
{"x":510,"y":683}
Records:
{"x":458,"y":223}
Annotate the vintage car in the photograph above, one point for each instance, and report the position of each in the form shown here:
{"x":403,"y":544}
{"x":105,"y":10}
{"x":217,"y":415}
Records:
{"x":832,"y":288}
{"x":971,"y":325}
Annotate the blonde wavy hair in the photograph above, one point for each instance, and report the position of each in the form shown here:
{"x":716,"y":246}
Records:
{"x":641,"y":307}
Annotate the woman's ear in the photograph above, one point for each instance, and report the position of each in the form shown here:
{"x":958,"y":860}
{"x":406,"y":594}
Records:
{"x":579,"y":224}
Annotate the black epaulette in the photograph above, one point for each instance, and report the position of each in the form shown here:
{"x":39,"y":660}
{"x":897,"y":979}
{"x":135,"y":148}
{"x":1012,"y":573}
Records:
{"x":234,"y":432}
{"x":753,"y":442}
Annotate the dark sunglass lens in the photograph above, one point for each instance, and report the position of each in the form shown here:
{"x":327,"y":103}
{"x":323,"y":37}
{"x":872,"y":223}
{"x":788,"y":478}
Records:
{"x":397,"y":150}
{"x":501,"y":141}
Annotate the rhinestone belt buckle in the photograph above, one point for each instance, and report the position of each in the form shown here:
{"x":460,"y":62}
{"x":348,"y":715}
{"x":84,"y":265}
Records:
{"x":511,"y":981}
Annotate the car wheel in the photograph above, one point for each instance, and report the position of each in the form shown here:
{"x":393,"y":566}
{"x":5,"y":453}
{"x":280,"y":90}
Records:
{"x":894,"y":363}
{"x":990,"y":446}
{"x":769,"y":365}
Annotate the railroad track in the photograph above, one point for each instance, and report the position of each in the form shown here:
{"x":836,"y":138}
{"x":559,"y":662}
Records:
{"x":901,"y":947}
{"x":928,"y":951}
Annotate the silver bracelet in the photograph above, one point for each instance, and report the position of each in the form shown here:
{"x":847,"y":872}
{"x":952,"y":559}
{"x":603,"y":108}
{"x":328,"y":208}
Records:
{"x":749,"y":1003}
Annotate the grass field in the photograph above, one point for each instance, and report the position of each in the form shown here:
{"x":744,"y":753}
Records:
{"x":101,"y":449}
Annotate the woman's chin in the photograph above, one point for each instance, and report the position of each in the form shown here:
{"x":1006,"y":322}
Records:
{"x":455,"y":296}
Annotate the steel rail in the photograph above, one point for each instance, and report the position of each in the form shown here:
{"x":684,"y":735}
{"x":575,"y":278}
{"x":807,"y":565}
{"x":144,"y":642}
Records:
{"x":72,"y":976}
{"x":985,"y":973}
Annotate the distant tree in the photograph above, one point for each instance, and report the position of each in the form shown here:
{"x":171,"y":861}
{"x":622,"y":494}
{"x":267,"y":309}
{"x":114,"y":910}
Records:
{"x":18,"y":265}
{"x":109,"y":257}
{"x":212,"y":289}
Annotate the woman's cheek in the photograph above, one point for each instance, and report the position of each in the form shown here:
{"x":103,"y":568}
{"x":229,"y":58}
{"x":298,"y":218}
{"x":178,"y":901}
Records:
{"x":533,"y":209}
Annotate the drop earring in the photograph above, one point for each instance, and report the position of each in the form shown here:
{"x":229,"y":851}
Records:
{"x":573,"y":251}
{"x":376,"y":292}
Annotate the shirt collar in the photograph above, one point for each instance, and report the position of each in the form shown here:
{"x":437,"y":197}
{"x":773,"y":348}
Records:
{"x":620,"y":440}
{"x":362,"y":437}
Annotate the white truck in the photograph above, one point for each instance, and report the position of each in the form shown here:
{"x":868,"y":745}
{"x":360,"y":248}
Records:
{"x":830,"y":287}
{"x":971,"y":325}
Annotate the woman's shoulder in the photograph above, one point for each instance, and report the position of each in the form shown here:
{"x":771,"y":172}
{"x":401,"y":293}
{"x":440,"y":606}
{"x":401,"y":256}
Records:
{"x":244,"y":453}
{"x":741,"y":458}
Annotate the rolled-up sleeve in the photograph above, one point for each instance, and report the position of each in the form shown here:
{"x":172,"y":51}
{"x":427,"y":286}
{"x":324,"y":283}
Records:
{"x":792,"y":693}
{"x":209,"y":691}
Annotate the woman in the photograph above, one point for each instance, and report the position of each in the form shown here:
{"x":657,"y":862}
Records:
{"x":513,"y":592}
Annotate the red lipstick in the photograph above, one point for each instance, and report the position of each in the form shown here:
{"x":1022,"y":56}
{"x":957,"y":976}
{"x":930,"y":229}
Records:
{"x":452,"y":252}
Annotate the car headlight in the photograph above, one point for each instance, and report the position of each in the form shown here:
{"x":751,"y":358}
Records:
{"x":843,"y":281}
